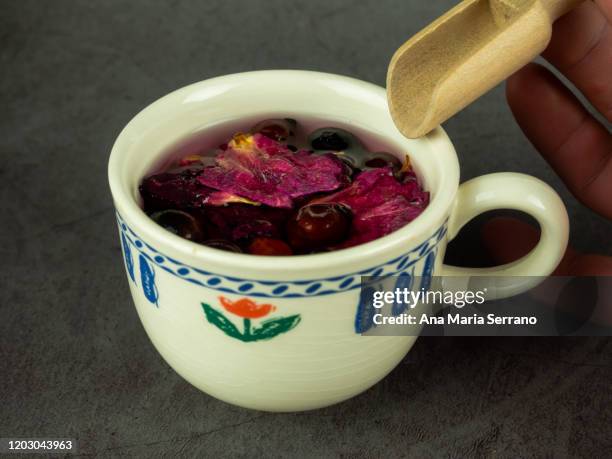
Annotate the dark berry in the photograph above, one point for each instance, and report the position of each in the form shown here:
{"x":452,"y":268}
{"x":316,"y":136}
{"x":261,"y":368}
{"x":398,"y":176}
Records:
{"x":276,"y":129}
{"x":269,"y":246}
{"x":382,"y":159}
{"x":354,"y":158}
{"x":332,"y":139}
{"x":222,"y":244}
{"x":180,"y":223}
{"x":243,"y":222}
{"x":250,"y":229}
{"x":318,"y":225}
{"x":329,"y":141}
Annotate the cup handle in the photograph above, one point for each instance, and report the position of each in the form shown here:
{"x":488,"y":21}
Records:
{"x":522,"y":192}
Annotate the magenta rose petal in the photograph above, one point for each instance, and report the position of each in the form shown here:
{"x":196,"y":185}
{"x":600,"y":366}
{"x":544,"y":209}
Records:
{"x":180,"y":190}
{"x":265,"y":171}
{"x":380,"y":204}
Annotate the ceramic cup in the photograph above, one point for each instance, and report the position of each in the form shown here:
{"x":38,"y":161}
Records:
{"x":284,"y":333}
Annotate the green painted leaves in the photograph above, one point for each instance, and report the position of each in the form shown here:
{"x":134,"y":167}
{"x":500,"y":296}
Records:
{"x":267,"y":330}
{"x":272,"y":327}
{"x":221,"y":322}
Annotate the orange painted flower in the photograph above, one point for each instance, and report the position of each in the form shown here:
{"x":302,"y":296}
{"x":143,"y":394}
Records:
{"x":244,"y":307}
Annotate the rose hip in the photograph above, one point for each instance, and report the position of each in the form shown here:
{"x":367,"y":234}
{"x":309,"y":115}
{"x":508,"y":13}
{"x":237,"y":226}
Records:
{"x":269,"y":246}
{"x":180,"y":223}
{"x":318,"y":225}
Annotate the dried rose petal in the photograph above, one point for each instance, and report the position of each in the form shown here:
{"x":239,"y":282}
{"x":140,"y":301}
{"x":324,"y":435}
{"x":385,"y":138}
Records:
{"x":380,"y":204}
{"x":262,"y":170}
{"x":173,"y":190}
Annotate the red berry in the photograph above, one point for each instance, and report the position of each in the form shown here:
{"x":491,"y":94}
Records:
{"x":180,"y":223}
{"x":382,"y":159}
{"x":269,"y":246}
{"x":318,"y":225}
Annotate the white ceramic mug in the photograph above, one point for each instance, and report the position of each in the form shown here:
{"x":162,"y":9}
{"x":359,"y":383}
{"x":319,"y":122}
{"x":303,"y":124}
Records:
{"x":283,"y":333}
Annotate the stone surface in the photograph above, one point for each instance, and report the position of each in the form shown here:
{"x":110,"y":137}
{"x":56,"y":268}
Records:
{"x":74,"y":359}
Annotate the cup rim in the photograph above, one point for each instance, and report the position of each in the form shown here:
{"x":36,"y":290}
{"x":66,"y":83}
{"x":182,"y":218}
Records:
{"x":395,"y":242}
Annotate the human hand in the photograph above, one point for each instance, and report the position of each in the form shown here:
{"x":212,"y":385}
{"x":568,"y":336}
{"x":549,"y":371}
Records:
{"x":576,"y":145}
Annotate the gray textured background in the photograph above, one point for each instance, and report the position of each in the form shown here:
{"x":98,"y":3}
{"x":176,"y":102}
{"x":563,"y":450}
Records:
{"x":74,"y":359}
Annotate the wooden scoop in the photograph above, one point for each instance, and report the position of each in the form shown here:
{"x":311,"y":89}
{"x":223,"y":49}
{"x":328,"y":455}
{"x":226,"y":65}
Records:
{"x":462,"y":55}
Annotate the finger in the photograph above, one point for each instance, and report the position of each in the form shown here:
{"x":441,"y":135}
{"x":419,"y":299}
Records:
{"x":605,"y":6}
{"x":581,"y":48}
{"x":577,"y":146}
